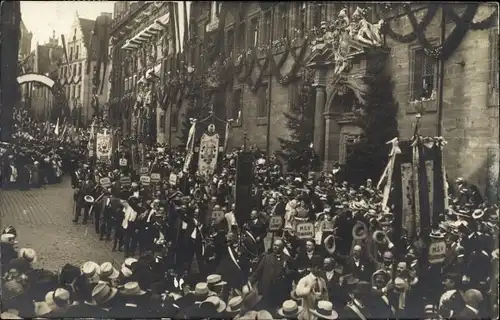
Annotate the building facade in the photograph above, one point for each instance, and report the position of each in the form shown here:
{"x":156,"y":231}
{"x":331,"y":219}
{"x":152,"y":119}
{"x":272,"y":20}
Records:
{"x":45,"y":59}
{"x":244,"y":62}
{"x":25,"y":42}
{"x":76,"y":72}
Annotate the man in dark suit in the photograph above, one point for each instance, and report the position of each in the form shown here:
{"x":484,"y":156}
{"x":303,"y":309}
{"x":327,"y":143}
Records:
{"x":332,"y":277}
{"x":278,"y":208}
{"x":358,"y":308}
{"x":359,"y":266}
{"x":258,"y":229}
{"x":87,"y":188}
{"x":273,"y":276}
{"x":305,"y":257}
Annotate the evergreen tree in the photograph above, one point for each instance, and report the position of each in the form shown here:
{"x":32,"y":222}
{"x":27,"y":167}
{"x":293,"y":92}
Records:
{"x":378,"y":120}
{"x":300,"y":123}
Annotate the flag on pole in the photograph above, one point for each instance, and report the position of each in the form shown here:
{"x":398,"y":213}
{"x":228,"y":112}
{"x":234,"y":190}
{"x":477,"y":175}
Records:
{"x":56,"y":131}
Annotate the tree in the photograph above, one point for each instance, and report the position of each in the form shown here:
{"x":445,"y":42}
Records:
{"x":378,"y":120}
{"x":300,"y":123}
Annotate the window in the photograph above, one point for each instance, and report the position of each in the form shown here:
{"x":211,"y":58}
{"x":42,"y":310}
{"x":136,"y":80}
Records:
{"x":174,"y":120}
{"x":237,"y":102}
{"x":78,"y":91}
{"x":424,"y":75}
{"x":80,"y":69}
{"x":76,"y":52}
{"x":319,"y":12}
{"x":262,"y":102}
{"x":301,"y":11}
{"x":71,"y":53}
{"x":294,"y":95}
{"x":229,"y":42}
{"x":242,"y":34}
{"x":254,"y":28}
{"x":266,"y":26}
{"x":162,"y":122}
{"x":281,"y":21}
{"x":74,"y":70}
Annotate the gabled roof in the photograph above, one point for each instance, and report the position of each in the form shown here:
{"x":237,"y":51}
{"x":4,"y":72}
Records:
{"x":87,"y":28}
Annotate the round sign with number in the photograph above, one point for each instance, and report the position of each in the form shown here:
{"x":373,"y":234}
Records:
{"x":305,"y":230}
{"x":144,"y":170}
{"x":123,"y":162}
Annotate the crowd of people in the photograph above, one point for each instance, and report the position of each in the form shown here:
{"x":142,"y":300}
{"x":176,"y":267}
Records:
{"x":188,"y":254}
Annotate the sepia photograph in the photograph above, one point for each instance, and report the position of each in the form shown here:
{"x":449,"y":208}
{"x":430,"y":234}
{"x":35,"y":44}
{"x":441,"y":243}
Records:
{"x":250,"y":160}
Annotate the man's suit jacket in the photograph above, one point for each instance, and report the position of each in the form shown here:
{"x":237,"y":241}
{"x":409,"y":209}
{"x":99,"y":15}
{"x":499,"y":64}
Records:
{"x":363,"y":271}
{"x":269,"y":272}
{"x":467,"y":313}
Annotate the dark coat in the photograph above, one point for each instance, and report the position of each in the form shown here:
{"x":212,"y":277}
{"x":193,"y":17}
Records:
{"x":232,"y":271}
{"x":84,"y":310}
{"x":348,"y":313}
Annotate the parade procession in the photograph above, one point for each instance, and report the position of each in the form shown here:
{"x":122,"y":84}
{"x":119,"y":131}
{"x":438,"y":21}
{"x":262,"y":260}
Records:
{"x":249,"y":160}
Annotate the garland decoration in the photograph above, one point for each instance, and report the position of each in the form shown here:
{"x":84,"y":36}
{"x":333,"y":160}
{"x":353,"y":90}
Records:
{"x":452,"y":42}
{"x":480,"y":25}
{"x":420,"y":27}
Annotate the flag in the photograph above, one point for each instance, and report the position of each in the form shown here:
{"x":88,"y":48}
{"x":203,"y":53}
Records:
{"x":226,"y":137}
{"x":181,"y":19}
{"x":56,"y":131}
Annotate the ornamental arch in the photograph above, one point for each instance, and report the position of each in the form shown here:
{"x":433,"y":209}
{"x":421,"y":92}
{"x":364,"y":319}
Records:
{"x":61,"y":107}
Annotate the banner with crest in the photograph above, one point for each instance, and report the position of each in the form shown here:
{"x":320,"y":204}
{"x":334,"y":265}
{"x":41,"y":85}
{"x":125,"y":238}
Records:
{"x":103,"y":146}
{"x":209,"y":149}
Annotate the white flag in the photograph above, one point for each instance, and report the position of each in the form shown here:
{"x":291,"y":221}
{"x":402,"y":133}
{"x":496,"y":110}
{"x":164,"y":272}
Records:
{"x":56,"y":131}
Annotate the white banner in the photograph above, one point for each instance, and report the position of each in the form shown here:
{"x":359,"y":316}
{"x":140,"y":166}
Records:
{"x":209,"y":149}
{"x":103,"y":143}
{"x":429,"y":168}
{"x":407,"y":188}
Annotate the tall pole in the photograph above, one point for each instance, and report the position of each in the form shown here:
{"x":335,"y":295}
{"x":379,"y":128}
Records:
{"x":269,"y":89}
{"x":441,"y":76}
{"x":10,"y":18}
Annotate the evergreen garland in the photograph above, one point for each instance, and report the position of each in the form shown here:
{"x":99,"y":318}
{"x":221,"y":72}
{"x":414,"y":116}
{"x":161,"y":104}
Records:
{"x":412,"y":36}
{"x":299,"y":121}
{"x":379,"y":123}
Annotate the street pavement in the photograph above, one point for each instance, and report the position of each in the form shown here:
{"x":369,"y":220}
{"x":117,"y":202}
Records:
{"x":42,"y":218}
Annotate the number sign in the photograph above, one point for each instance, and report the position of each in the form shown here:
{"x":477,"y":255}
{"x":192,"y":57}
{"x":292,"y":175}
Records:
{"x":123,"y":162}
{"x":145,"y":180}
{"x":305,"y":230}
{"x":275,"y":223}
{"x":437,"y":252}
{"x":144,"y":170}
{"x":173,"y":179}
{"x":155,"y":177}
{"x":105,"y":182}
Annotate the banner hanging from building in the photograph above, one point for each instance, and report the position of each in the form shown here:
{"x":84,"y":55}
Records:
{"x":209,"y":150}
{"x":104,"y":146}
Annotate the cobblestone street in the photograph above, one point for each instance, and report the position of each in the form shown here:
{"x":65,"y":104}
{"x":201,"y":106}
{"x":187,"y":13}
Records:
{"x":43,"y":217}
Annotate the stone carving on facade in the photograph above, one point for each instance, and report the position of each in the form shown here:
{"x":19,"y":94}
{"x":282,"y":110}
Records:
{"x":333,"y":40}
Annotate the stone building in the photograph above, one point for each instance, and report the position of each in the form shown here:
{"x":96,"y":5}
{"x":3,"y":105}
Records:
{"x":24,"y":42}
{"x":229,"y":53}
{"x":75,"y":74}
{"x":45,"y":59}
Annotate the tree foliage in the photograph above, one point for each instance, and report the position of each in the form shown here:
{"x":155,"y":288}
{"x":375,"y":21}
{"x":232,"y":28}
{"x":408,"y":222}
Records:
{"x":379,"y":123}
{"x":300,"y":123}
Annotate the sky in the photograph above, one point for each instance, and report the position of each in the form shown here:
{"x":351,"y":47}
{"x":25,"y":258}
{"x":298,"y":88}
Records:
{"x":42,"y":17}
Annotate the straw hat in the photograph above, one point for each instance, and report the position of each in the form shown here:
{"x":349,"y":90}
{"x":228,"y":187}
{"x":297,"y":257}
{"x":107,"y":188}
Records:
{"x":234,"y":304}
{"x":289,"y":309}
{"x":126,"y":268}
{"x":58,"y":299}
{"x":90,"y":268}
{"x":324,"y":310}
{"x":216,"y":302}
{"x":132,"y":289}
{"x":108,"y":271}
{"x":9,"y":315}
{"x":28,"y":254}
{"x":8,"y":238}
{"x":264,"y":315}
{"x":436,"y":234}
{"x":477,"y":214}
{"x":103,"y":293}
{"x":215,"y":280}
{"x":42,"y":309}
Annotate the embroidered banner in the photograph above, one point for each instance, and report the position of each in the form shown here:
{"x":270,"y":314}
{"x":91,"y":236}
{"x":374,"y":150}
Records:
{"x":407,"y":190}
{"x":416,"y":187}
{"x":209,"y":149}
{"x":429,"y":169}
{"x":103,"y":143}
{"x":189,"y":147}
